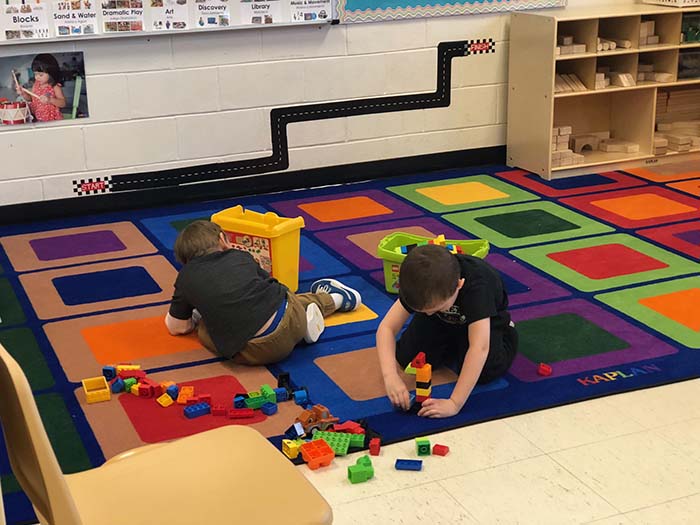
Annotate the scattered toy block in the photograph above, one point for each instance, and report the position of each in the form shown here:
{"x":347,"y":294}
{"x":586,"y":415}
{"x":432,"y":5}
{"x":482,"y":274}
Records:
{"x":338,"y":441}
{"x":281,"y":394}
{"x":219,"y":410}
{"x":204,"y":398}
{"x":361,"y":471}
{"x":269,"y":408}
{"x":127,"y":366}
{"x":301,"y":397}
{"x":239,"y":402}
{"x":268,"y":393}
{"x":544,"y":369}
{"x":136,"y":374}
{"x":165,"y":401}
{"x":350,"y":427}
{"x":409,"y":464}
{"x":296,"y":431}
{"x":96,"y":389}
{"x":164,"y":385}
{"x":117,"y":385}
{"x":423,"y":446}
{"x":357,"y":440}
{"x":255,"y":402}
{"x":109,"y":371}
{"x":128,"y":383}
{"x":240,"y":413}
{"x":172,"y":391}
{"x":440,"y":450}
{"x":145,"y":390}
{"x":198,"y":410}
{"x":317,"y":453}
{"x":284,"y":381}
{"x":184,"y":394}
{"x":134,"y":389}
{"x":290,"y":448}
{"x":374,"y":446}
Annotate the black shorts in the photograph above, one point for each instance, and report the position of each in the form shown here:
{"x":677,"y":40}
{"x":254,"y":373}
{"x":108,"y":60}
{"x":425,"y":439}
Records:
{"x":446,"y":345}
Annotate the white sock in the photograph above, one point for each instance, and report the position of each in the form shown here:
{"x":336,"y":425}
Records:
{"x":337,"y":299}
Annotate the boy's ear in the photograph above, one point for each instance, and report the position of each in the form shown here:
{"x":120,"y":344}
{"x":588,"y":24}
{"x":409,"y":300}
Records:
{"x":224,"y":242}
{"x":460,"y":283}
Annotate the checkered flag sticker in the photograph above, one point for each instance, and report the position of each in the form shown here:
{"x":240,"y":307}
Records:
{"x":92,"y":186}
{"x":479,"y":46}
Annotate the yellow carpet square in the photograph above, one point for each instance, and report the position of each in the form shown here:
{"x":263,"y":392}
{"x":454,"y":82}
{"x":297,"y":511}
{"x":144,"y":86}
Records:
{"x":361,"y":314}
{"x":462,"y":193}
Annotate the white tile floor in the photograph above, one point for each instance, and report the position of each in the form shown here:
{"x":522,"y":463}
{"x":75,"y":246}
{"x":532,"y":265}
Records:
{"x":626,"y":459}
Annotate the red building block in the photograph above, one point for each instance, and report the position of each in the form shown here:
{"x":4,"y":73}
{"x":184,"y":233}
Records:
{"x":420,"y":399}
{"x":419,"y":360}
{"x":544,"y":369}
{"x":204,"y":398}
{"x":240,"y":413}
{"x":349,"y":427}
{"x":219,"y":410}
{"x":136,"y":374}
{"x":440,"y":450}
{"x":374,"y":446}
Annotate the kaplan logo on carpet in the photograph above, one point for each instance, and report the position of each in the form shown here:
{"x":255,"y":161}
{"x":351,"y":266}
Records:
{"x":618,"y":374}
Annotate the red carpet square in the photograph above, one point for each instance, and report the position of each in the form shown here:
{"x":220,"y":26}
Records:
{"x":605,"y":261}
{"x":681,"y":306}
{"x":610,"y":180}
{"x":684,"y":237}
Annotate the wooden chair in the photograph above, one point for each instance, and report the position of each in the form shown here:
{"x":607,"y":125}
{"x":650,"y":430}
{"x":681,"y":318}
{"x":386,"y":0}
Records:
{"x":230,"y":474}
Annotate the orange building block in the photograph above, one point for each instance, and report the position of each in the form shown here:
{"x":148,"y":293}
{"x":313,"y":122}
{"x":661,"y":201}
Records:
{"x":317,"y":453}
{"x":424,"y":374}
{"x":184,"y":394}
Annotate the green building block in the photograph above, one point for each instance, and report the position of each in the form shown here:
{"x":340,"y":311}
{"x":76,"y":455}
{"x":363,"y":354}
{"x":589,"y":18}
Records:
{"x":128,"y":383}
{"x":423,"y":446}
{"x":361,"y":471}
{"x":357,"y":440}
{"x":268,"y":393}
{"x":255,"y":402}
{"x":338,"y":441}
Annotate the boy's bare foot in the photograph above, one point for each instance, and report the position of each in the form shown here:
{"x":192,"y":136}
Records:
{"x":314,"y":323}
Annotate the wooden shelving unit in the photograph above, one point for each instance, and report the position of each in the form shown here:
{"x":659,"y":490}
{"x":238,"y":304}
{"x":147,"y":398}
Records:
{"x":629,"y":113}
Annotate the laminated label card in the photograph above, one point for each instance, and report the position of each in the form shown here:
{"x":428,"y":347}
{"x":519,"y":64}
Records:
{"x":266,"y":12}
{"x":122,"y":15}
{"x":212,"y":13}
{"x":169,"y":15}
{"x":20,"y":21}
{"x":75,"y":17}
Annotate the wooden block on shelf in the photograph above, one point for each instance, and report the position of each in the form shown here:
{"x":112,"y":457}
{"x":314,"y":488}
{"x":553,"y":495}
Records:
{"x":556,"y":155}
{"x":622,"y":43}
{"x":565,"y":40}
{"x":618,"y":146}
{"x":660,"y":142}
{"x":578,"y":158}
{"x":557,"y":51}
{"x":566,"y":50}
{"x":659,"y":152}
{"x":663,"y":77}
{"x":567,"y":161}
{"x":563,"y":139}
{"x":653,"y":40}
{"x":580,"y":48}
{"x":645,"y":68}
{"x":565,"y":153}
{"x":578,"y":142}
{"x":674,"y":138}
{"x":679,"y":147}
{"x":602,"y":135}
{"x":565,"y":130}
{"x":622,"y":79}
{"x":642,"y":40}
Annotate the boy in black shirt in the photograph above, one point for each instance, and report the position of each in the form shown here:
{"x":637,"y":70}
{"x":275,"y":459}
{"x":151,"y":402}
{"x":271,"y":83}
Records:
{"x":460,"y":319}
{"x":246,"y":314}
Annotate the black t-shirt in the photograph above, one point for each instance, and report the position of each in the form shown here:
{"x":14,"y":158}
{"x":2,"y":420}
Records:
{"x":483,"y":295}
{"x":233,"y":293}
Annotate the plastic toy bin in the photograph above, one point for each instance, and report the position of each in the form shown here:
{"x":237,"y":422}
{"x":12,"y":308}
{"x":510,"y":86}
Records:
{"x":272,"y":240}
{"x":392,"y":260}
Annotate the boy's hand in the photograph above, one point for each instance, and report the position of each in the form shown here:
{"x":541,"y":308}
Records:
{"x":397,"y":391}
{"x":438,"y":408}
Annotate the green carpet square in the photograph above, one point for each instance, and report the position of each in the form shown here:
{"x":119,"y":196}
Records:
{"x":538,"y":256}
{"x":549,"y":339}
{"x":22,"y":345}
{"x":10,"y":311}
{"x":629,"y":302}
{"x":476,"y":191}
{"x":522,"y":224}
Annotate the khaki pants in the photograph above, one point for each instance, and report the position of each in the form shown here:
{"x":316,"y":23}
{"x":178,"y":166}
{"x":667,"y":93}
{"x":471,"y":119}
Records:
{"x":279,"y":344}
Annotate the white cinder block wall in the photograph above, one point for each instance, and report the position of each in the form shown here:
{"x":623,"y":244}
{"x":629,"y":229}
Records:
{"x":169,"y":101}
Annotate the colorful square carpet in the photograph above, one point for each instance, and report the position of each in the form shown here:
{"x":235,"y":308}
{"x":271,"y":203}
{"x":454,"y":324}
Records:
{"x":602,"y":272}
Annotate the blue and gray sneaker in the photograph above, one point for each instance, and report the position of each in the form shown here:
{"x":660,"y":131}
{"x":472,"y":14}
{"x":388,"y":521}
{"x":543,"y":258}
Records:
{"x":351,"y":298}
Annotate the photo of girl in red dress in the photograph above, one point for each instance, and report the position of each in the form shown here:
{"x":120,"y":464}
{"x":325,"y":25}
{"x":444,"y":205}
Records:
{"x":46,"y":96}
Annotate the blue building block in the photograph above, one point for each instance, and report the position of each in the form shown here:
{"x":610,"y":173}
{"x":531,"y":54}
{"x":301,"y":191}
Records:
{"x":296,"y":431}
{"x":282,"y":394}
{"x":409,"y":464}
{"x":239,"y":402}
{"x":110,"y":372}
{"x":197,"y":410}
{"x":172,"y":391}
{"x":269,"y":408}
{"x":301,"y":397}
{"x":118,"y":386}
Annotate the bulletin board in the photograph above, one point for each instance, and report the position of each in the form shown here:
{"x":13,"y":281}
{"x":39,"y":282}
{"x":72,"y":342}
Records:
{"x":350,"y":11}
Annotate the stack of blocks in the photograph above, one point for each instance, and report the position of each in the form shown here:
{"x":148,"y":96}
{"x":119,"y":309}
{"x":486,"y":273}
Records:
{"x":424,"y":376}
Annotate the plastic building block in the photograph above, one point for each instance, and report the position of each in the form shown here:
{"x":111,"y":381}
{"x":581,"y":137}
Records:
{"x":96,"y":389}
{"x":290,"y":448}
{"x":424,"y":374}
{"x":268,"y":393}
{"x":318,"y":417}
{"x":269,"y":408}
{"x":254,"y":394}
{"x":219,"y":410}
{"x":281,"y":394}
{"x":239,"y":402}
{"x":408,"y":464}
{"x":127,"y":366}
{"x":204,"y":398}
{"x":134,"y":390}
{"x":423,"y":392}
{"x":184,"y":394}
{"x":145,"y":390}
{"x":255,"y":402}
{"x":422,"y":446}
{"x":374,"y":446}
{"x":301,"y":397}
{"x":338,"y":441}
{"x":109,"y":371}
{"x":410,"y":370}
{"x":165,"y":401}
{"x":240,"y":413}
{"x":350,"y":427}
{"x":284,"y":381}
{"x":117,"y":385}
{"x":317,"y":453}
{"x":419,"y":360}
{"x":172,"y":391}
{"x":361,"y":471}
{"x":426,"y":386}
{"x":200,"y":409}
{"x":136,"y":374}
{"x":357,"y":440}
{"x":420,"y":399}
{"x":544,"y":369}
{"x":164,"y":385}
{"x":128,"y":383}
{"x":441,"y":450}
{"x":295,"y":431}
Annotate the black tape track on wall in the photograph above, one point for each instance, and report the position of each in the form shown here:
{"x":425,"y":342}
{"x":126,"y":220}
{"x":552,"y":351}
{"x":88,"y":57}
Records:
{"x":281,"y":117}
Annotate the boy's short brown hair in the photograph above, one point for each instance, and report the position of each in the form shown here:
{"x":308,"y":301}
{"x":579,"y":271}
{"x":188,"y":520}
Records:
{"x":429,"y":274}
{"x":197,"y":239}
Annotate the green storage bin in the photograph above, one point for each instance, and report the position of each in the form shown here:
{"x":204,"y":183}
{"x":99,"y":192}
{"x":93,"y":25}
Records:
{"x":392,"y":260}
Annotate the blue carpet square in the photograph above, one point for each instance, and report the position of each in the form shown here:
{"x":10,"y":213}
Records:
{"x":105,"y":285}
{"x":570,"y":183}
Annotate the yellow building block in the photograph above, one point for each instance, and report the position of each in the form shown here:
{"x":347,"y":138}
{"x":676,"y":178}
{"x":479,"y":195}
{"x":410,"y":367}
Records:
{"x":424,"y":374}
{"x":127,"y":366}
{"x":184,"y":394}
{"x":165,"y":400}
{"x":96,"y":389}
{"x":423,"y":392}
{"x":135,"y":389}
{"x":290,"y":448}
{"x":439,"y":240}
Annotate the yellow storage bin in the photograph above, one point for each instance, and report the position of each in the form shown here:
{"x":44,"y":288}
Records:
{"x":392,"y":260}
{"x":272,"y":240}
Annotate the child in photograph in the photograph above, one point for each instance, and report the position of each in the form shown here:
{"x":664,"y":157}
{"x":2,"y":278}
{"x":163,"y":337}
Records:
{"x":46,"y":95}
{"x":460,"y":320}
{"x":239,"y":310}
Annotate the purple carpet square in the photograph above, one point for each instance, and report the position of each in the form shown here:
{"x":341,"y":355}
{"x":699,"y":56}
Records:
{"x":399,"y":209}
{"x":304,"y":265}
{"x":641,"y":344}
{"x":79,"y":244}
{"x":690,"y":236}
{"x":347,"y":241}
{"x":538,"y":288}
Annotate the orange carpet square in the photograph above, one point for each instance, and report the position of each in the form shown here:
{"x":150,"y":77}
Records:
{"x":462,"y":193}
{"x":682,"y":306}
{"x":345,"y":209}
{"x":643,"y":206}
{"x":688,"y":186}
